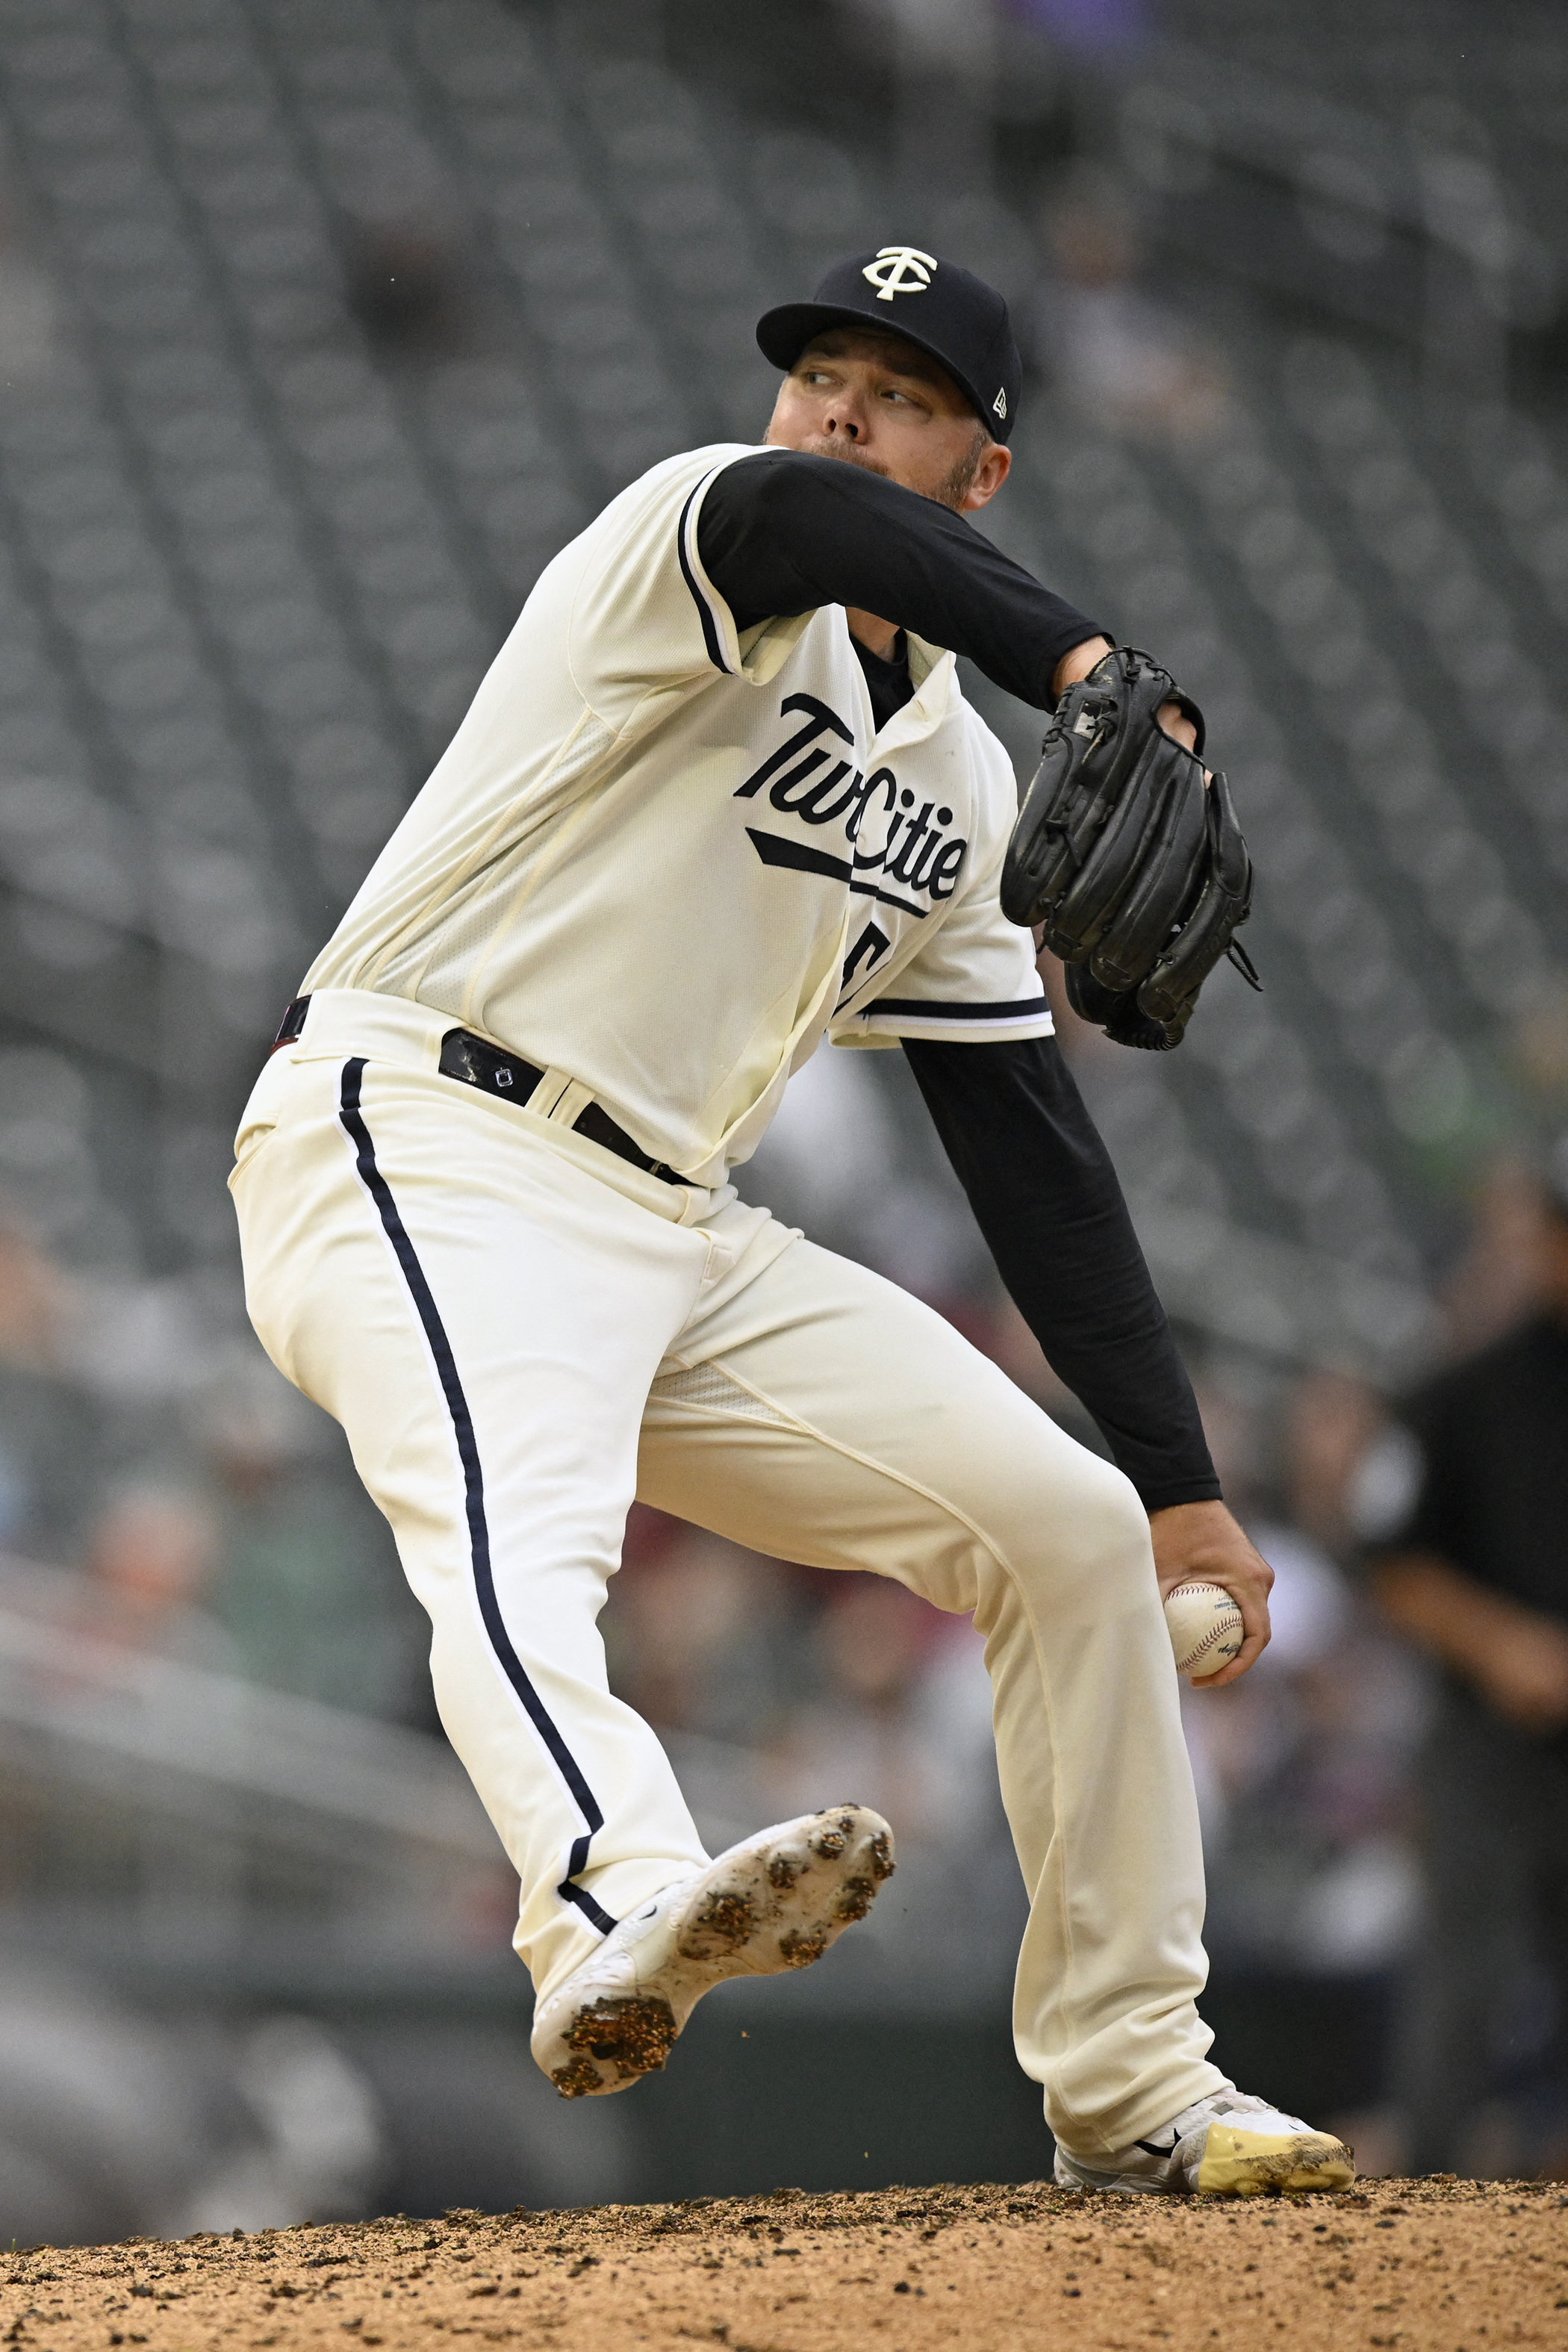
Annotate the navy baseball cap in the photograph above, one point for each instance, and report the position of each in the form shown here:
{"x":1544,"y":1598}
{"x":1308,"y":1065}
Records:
{"x":946,"y":310}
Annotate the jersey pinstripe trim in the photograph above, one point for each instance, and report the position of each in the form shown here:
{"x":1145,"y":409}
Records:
{"x":351,"y":1117}
{"x":932,"y":1009}
{"x":971,"y":1022}
{"x":711,"y":608}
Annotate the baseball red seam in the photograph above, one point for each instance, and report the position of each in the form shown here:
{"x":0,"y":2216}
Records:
{"x":1215,"y":1632}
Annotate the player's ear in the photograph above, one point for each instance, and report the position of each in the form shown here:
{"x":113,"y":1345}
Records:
{"x":989,"y":476}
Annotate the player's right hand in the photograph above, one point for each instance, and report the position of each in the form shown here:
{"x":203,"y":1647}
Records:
{"x":1197,"y":1543}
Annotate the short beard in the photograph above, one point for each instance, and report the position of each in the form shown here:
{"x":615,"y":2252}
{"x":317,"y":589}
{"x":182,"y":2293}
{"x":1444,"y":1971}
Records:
{"x":949,"y":492}
{"x":959,"y":483}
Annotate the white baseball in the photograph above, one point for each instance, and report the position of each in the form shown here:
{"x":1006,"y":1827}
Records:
{"x":1205,"y":1628}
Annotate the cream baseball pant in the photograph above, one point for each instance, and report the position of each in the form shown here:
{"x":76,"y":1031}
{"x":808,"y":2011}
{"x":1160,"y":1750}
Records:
{"x":520,"y":1332}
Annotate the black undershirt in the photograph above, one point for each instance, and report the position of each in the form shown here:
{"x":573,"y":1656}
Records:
{"x":888,"y":679}
{"x":785,"y":533}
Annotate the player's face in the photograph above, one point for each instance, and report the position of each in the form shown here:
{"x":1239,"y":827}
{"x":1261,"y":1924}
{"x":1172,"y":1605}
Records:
{"x":873,"y":398}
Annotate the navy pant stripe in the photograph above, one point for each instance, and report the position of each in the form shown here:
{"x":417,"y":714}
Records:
{"x":375,"y":1184}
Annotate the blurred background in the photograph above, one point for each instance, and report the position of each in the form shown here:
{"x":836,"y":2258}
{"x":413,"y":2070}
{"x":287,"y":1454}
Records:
{"x":321,"y":328}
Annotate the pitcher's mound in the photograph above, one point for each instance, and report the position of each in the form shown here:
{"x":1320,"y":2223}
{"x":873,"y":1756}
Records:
{"x":1425,"y":2266}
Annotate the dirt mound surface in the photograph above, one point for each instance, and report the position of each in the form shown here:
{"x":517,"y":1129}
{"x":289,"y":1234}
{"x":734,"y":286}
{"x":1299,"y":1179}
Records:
{"x":1457,"y":2267}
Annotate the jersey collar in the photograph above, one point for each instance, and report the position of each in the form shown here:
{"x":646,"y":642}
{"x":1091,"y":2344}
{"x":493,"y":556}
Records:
{"x":935,"y":677}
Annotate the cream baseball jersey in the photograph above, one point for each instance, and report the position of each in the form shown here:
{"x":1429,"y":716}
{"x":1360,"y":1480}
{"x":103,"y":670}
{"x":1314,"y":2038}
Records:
{"x":667,"y":858}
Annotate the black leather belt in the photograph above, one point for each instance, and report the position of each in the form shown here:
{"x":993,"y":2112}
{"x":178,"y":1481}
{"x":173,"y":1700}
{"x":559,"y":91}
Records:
{"x":474,"y":1063}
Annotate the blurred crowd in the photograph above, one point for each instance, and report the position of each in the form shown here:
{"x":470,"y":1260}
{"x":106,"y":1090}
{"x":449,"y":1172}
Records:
{"x":216,"y":1520}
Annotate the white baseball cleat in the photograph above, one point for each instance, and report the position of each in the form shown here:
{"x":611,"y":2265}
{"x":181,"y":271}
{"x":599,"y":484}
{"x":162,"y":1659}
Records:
{"x":1228,"y":2145}
{"x":775,"y":1901}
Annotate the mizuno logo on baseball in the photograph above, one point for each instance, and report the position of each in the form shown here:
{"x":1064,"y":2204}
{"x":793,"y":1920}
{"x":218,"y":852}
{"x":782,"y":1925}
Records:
{"x":883,"y":828}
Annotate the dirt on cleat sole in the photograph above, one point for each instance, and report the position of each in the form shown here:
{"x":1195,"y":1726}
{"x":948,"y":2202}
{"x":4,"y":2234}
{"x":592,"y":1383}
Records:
{"x":771,"y":1904}
{"x":633,"y":2035}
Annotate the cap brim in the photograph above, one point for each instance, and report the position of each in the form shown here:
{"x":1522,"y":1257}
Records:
{"x":782,"y":334}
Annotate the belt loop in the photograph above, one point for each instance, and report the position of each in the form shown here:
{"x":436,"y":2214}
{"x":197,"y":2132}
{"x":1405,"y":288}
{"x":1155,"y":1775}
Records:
{"x":571,"y":1103}
{"x":545,"y":1101}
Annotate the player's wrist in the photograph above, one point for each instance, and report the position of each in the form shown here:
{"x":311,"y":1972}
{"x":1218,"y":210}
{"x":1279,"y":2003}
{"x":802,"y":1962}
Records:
{"x":1179,"y":1531}
{"x":1077,"y":663}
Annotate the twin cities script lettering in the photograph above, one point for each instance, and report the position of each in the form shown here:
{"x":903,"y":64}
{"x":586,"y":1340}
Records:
{"x":889,"y":840}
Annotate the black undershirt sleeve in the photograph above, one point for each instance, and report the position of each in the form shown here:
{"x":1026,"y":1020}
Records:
{"x":1047,"y":1199}
{"x":785,"y":533}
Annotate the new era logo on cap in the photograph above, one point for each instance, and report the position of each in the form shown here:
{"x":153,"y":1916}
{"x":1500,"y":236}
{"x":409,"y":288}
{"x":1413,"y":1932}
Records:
{"x":936,"y":305}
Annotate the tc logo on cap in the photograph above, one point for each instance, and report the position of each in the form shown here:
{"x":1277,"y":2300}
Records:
{"x":900,"y":269}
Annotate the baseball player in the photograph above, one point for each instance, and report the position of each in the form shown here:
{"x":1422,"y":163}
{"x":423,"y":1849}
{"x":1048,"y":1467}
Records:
{"x":719,"y":798}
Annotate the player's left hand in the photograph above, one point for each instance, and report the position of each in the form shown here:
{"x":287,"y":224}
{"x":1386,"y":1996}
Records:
{"x":1175,"y":720}
{"x":1200,"y":1542}
{"x":1081,"y":660}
